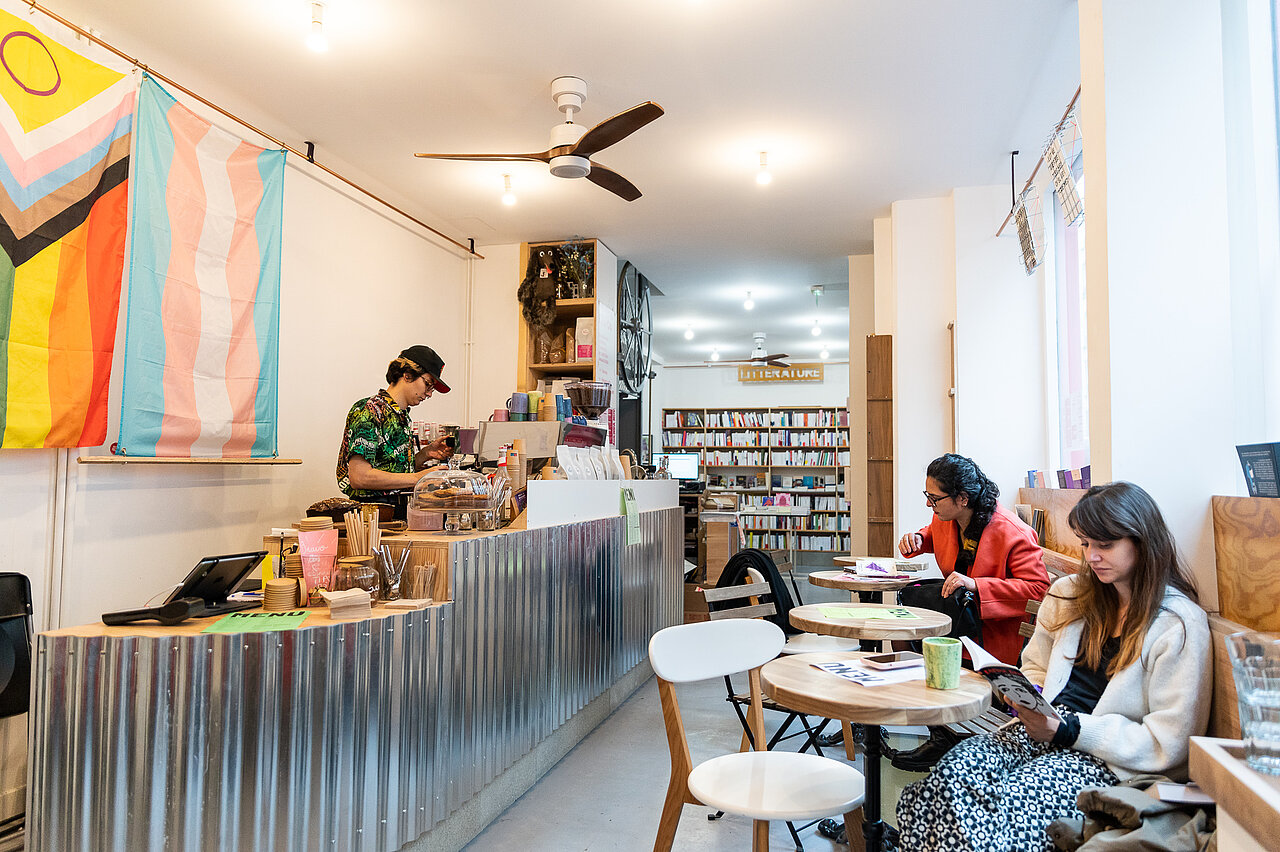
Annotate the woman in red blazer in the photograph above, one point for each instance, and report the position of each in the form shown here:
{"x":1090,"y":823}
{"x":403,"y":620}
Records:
{"x":985,"y":548}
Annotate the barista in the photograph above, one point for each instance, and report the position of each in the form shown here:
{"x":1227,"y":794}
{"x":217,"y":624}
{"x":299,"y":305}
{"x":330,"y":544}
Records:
{"x":378,"y":453}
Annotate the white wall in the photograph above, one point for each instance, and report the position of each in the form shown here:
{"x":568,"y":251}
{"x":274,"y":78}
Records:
{"x":716,"y":387}
{"x":1159,"y":260}
{"x":495,"y":317}
{"x":1000,"y":351}
{"x":862,"y":313}
{"x":924,"y":272}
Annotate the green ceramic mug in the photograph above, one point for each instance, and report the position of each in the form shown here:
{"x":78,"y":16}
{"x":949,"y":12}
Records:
{"x":941,"y":662}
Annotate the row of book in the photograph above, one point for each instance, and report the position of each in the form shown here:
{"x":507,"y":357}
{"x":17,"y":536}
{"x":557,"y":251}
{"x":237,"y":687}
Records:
{"x":740,"y":458}
{"x":813,"y":523}
{"x":1032,"y":517}
{"x":823,"y":543}
{"x":789,"y":438}
{"x":777,"y":482}
{"x":1077,"y":478}
{"x":806,"y":458}
{"x":802,"y":501}
{"x":757,"y":419}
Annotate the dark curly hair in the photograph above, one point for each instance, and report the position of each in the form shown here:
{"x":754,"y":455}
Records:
{"x":959,"y":475}
{"x":402,"y":368}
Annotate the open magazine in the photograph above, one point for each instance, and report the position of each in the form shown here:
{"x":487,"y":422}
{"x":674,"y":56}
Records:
{"x":1008,"y":681}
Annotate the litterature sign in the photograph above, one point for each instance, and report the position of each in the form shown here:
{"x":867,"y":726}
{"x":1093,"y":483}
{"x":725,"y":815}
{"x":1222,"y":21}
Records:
{"x":794,"y":373}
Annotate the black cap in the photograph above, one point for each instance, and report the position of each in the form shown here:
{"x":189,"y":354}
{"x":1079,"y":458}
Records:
{"x":427,"y":361}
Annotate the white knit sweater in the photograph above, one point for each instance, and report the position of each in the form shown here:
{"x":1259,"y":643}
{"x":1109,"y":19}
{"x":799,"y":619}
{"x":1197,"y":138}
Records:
{"x":1149,"y":710}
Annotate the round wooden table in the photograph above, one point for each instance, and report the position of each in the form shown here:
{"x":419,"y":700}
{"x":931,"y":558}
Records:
{"x":795,"y":683}
{"x":867,"y":589}
{"x":813,"y":618}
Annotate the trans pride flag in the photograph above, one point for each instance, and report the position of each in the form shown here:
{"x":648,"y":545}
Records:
{"x":202,"y":337}
{"x":65,"y":133}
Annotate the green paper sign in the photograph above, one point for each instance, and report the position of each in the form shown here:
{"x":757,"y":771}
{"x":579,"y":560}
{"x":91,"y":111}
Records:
{"x":892,"y":613}
{"x":632,"y":514}
{"x":258,"y":622}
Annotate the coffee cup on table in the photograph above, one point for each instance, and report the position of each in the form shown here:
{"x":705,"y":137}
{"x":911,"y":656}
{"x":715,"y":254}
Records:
{"x":941,"y":662}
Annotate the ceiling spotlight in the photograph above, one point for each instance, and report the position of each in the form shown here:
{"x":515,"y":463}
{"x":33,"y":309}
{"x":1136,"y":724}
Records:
{"x":688,"y":332}
{"x":715,"y":354}
{"x":317,"y":40}
{"x":824,"y":354}
{"x":508,"y":197}
{"x":763,"y":177}
{"x":749,"y":303}
{"x":816,"y":330}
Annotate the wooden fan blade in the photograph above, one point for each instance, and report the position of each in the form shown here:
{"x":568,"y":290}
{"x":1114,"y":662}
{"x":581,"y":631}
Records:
{"x":616,"y":129}
{"x":607,"y":178}
{"x":544,"y":157}
{"x":774,"y":362}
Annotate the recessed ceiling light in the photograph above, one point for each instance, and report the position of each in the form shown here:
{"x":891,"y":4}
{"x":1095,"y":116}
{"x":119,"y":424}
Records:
{"x":749,"y":303}
{"x":763,"y":177}
{"x":317,"y":40}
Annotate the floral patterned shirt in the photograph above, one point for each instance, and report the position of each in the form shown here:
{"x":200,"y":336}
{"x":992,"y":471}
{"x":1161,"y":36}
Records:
{"x":377,"y":430}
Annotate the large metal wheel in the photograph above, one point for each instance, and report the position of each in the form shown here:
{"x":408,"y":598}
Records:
{"x":635,"y":324}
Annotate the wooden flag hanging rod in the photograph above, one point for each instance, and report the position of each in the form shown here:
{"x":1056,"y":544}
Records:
{"x":238,"y":120}
{"x":1040,"y":161}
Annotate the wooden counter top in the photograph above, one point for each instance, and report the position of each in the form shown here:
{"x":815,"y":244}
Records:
{"x":1251,"y":798}
{"x":316,"y":617}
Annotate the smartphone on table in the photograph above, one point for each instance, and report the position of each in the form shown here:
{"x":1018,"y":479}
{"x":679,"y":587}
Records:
{"x":897,"y":660}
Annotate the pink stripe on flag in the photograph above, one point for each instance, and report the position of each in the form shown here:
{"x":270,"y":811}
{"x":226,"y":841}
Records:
{"x":28,"y":170}
{"x":180,"y":304}
{"x":244,"y":266}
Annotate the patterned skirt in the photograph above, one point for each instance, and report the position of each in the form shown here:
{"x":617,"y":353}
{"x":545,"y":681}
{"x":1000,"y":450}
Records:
{"x":996,"y":793}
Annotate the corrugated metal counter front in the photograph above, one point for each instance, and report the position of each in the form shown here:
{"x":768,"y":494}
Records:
{"x":358,"y":735}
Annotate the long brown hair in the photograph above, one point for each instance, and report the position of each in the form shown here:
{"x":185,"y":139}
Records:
{"x":1109,"y":513}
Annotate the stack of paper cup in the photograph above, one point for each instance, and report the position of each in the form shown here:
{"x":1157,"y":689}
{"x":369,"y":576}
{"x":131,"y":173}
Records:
{"x":280,"y":594}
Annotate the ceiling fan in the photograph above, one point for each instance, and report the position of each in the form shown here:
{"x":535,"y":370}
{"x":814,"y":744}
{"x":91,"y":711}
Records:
{"x":758,"y":355}
{"x":569,"y":154}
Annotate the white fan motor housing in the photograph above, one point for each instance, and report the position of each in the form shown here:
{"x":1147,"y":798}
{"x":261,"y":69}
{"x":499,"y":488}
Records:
{"x":568,"y":167}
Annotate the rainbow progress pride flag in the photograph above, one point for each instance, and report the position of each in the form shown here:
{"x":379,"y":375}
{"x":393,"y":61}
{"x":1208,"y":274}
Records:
{"x":65,"y":135}
{"x":202,"y":337}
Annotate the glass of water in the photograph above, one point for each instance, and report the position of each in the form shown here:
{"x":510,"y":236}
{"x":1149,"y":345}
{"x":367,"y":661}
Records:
{"x":1255,"y":665}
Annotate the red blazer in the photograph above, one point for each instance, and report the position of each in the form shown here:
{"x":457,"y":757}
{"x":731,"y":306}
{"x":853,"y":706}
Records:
{"x":1008,"y":568}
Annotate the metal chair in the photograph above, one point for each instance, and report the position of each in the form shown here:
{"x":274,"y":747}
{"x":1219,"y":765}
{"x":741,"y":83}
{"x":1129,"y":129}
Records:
{"x":763,"y":785}
{"x":15,"y":674}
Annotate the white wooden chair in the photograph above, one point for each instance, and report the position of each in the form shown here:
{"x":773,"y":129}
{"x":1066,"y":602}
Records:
{"x":763,"y":785}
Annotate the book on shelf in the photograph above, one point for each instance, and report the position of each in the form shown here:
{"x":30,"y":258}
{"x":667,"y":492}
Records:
{"x":775,"y":480}
{"x":1009,"y":681}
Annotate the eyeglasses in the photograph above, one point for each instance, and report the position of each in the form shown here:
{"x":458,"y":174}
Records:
{"x":935,"y":499}
{"x":431,"y":383}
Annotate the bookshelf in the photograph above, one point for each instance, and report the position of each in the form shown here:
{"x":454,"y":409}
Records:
{"x":759,"y":453}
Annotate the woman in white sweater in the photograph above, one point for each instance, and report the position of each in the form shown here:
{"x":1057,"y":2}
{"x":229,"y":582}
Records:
{"x":1122,"y":650}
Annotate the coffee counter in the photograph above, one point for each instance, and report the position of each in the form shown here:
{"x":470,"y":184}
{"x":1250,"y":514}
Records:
{"x":407,"y":730}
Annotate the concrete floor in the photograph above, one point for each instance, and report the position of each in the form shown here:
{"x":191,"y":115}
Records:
{"x":606,"y":795}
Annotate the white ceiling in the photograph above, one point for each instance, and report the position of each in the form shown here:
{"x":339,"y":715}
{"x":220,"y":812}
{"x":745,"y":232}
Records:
{"x":858,"y":102}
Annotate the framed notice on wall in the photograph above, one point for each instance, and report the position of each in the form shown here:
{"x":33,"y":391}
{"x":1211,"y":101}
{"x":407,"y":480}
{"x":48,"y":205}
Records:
{"x":1260,"y":464}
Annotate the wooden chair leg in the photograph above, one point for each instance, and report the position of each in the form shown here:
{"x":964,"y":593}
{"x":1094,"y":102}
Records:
{"x":760,"y":835}
{"x":847,"y":730}
{"x":670,"y":819}
{"x":745,"y":745}
{"x":853,"y":821}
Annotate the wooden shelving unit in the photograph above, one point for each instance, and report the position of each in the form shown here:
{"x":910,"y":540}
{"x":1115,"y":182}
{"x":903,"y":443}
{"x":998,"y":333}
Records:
{"x":602,"y":306}
{"x":880,"y":444}
{"x":802,"y":451}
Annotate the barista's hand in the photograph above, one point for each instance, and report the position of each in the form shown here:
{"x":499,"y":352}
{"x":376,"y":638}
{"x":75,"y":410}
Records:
{"x":437,"y":450}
